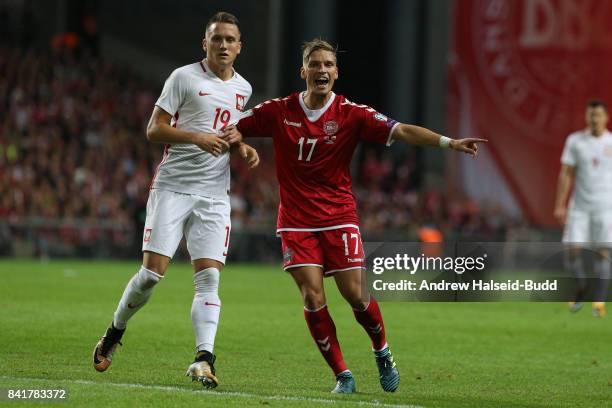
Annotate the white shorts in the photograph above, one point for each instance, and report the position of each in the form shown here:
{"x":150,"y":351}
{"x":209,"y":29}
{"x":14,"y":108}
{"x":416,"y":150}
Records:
{"x":591,"y":228}
{"x":204,"y":221}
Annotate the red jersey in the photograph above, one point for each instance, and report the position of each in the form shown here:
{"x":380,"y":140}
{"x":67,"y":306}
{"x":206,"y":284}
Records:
{"x":313,"y":151}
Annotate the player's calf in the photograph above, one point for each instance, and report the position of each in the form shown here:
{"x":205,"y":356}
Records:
{"x":323,"y":331}
{"x":206,"y":308}
{"x":137,"y":292}
{"x":371,"y":320}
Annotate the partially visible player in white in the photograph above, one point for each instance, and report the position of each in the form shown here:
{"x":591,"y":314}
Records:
{"x":189,"y":192}
{"x":586,"y":163}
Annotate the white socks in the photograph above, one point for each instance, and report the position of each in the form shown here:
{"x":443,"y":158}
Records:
{"x":135,"y":295}
{"x":205,"y":308}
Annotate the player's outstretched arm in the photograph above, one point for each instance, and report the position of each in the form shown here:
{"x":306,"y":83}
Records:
{"x":160,"y":131}
{"x":566,"y":179}
{"x":420,"y":136}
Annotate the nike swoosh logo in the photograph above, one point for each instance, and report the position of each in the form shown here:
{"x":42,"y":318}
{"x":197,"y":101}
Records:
{"x":211,"y":304}
{"x":131,"y":306}
{"x":203,"y":93}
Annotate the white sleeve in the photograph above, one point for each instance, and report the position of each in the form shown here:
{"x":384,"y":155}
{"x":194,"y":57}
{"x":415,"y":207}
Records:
{"x":247,"y":97}
{"x":568,"y":157}
{"x":173,"y":93}
{"x":250,"y":93}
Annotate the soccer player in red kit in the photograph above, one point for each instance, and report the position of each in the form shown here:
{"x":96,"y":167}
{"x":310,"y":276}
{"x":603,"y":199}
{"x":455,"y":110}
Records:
{"x":315,"y":134}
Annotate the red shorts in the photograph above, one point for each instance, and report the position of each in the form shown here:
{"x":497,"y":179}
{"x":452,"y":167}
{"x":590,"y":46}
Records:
{"x":333,"y":250}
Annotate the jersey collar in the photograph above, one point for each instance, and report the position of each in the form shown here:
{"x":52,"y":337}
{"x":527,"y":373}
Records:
{"x":210,"y":73}
{"x":314,"y":115}
{"x":588,"y":132}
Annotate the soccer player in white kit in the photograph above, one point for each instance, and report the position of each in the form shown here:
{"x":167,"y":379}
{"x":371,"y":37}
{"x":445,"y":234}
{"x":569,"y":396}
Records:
{"x":586,"y":163}
{"x":189,"y":192}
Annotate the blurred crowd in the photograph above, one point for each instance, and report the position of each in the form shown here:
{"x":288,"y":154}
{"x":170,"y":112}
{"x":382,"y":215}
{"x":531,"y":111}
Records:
{"x":71,"y":140}
{"x":73,"y":152}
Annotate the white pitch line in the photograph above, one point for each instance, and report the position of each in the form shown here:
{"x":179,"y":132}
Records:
{"x":217,"y":393}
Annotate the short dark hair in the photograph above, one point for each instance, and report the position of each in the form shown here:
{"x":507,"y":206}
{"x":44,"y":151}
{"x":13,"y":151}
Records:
{"x":222,"y":17}
{"x":315,"y":45}
{"x":596,"y":103}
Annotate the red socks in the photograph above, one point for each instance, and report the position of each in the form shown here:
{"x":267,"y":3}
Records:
{"x":372,"y":322}
{"x":323,"y":331}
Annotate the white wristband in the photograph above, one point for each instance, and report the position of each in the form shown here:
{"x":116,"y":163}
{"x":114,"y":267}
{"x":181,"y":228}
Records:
{"x":445,"y":142}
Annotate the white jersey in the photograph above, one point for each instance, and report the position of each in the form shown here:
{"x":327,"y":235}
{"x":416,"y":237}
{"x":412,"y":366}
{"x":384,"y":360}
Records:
{"x":199,"y":101}
{"x":591,"y":157}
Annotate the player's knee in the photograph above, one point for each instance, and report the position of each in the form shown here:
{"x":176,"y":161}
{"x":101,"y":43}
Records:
{"x":313,"y":298}
{"x":147,"y":278}
{"x":155,"y":262}
{"x":206,"y":280}
{"x":603,"y":254}
{"x":573,"y":253}
{"x":355,"y":298}
{"x":356,"y":302}
{"x":205,"y":263}
{"x":154,"y":267}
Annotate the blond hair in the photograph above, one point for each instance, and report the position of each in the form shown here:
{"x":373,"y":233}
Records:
{"x":315,"y":45}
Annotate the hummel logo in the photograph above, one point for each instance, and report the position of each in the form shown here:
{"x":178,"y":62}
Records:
{"x":204,"y":93}
{"x":376,"y":329}
{"x":211,"y":304}
{"x":294,"y":124}
{"x":324,"y":343}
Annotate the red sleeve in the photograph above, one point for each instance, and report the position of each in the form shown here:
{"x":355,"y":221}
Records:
{"x":257,"y":122}
{"x":375,"y":127}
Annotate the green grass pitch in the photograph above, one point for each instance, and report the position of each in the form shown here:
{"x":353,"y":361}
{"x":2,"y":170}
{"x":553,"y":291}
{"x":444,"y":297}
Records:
{"x":449,"y":355}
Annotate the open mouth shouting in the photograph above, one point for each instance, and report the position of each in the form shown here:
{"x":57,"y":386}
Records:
{"x":321,"y":82}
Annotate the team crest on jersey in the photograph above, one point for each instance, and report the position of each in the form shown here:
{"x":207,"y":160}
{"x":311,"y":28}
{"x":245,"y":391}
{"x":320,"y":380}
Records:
{"x":381,"y":117}
{"x":330,"y":127}
{"x":147,"y":235}
{"x":240,"y":102}
{"x":287,"y":255}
